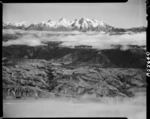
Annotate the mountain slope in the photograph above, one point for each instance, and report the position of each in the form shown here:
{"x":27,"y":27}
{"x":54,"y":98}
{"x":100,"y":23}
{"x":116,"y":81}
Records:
{"x":31,"y":78}
{"x":133,"y":57}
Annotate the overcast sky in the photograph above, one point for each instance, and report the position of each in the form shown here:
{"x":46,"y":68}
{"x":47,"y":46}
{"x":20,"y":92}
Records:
{"x":130,"y":14}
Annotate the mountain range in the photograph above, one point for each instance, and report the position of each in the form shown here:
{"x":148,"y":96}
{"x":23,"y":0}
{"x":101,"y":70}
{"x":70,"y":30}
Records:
{"x":51,"y":70}
{"x":83,"y":24}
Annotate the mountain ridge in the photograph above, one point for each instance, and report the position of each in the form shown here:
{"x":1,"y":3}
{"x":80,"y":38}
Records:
{"x":83,"y":24}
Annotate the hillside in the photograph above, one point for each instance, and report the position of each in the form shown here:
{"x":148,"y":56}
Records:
{"x":131,"y":58}
{"x":29,"y":78}
{"x":49,"y":71}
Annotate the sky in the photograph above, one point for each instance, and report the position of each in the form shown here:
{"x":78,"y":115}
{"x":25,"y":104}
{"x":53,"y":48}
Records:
{"x":123,"y":15}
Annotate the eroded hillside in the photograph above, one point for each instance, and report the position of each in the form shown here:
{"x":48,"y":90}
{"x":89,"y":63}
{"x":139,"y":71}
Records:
{"x":29,"y":78}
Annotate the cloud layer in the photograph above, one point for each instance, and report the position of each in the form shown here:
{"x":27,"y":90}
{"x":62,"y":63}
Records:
{"x":71,"y":39}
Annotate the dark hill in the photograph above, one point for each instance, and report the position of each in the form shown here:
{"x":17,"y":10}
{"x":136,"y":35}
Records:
{"x":134,"y":57}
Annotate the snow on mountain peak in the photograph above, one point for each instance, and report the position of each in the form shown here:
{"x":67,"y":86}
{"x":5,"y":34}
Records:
{"x":63,"y":22}
{"x":16,"y":24}
{"x":63,"y":19}
{"x":84,"y":18}
{"x":76,"y":24}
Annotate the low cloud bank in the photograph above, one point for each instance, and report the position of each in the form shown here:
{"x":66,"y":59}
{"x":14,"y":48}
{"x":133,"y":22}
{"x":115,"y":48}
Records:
{"x":71,"y":39}
{"x":134,"y":108}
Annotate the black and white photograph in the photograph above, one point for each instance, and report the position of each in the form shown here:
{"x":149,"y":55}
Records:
{"x":74,"y":60}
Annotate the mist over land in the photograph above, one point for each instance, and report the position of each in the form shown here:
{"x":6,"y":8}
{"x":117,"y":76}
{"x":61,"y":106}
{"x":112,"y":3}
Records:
{"x":97,"y":40}
{"x":134,"y":108}
{"x":79,"y":74}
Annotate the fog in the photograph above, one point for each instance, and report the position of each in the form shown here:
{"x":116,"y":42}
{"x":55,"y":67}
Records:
{"x":70,"y":39}
{"x":132,"y":108}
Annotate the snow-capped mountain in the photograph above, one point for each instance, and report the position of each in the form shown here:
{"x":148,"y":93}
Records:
{"x":16,"y":25}
{"x":83,"y":24}
{"x":63,"y":24}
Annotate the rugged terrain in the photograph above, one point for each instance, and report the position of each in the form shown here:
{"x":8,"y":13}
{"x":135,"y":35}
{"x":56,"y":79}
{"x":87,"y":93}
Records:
{"x":76,"y":74}
{"x":44,"y":78}
{"x":61,"y":74}
{"x":43,"y":64}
